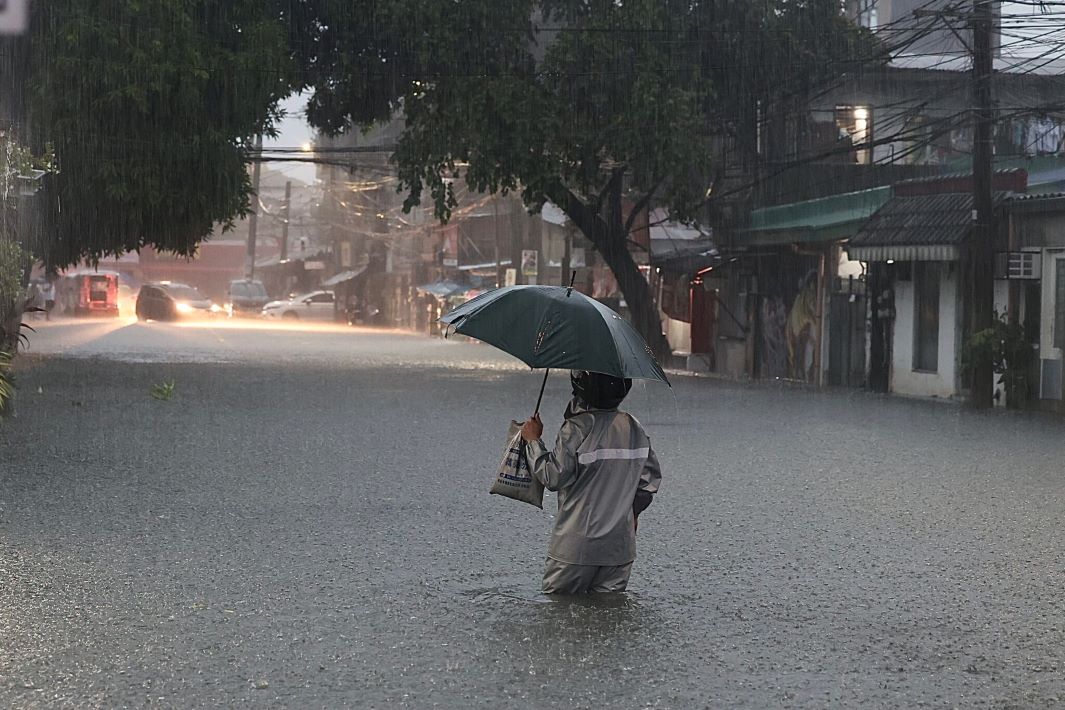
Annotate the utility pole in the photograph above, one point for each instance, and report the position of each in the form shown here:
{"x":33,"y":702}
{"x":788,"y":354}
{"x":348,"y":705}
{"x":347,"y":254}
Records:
{"x":567,"y":255}
{"x":982,"y":247}
{"x":517,"y":244}
{"x":284,"y":219}
{"x":253,"y":218}
{"x":495,"y":224}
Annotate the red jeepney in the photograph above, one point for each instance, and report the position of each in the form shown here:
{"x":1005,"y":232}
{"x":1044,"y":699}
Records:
{"x":92,"y":293}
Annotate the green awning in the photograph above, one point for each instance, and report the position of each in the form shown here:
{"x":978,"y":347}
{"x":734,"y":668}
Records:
{"x":825,"y":219}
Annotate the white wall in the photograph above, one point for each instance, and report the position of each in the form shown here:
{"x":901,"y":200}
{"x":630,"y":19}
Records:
{"x":678,"y":333}
{"x":943,"y":382}
{"x":1002,"y":295}
{"x":1047,"y":351}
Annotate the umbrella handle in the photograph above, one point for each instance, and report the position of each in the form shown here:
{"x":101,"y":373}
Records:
{"x":541,"y":397}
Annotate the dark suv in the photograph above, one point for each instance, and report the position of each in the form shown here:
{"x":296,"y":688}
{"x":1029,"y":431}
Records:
{"x":173,"y":301}
{"x":246,"y":298}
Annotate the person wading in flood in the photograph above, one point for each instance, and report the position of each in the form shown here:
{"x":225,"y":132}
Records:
{"x":606,"y":475}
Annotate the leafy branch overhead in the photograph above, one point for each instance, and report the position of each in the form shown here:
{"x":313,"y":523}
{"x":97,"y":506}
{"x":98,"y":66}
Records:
{"x":604,"y":108}
{"x":18,"y":163}
{"x":149,"y":108}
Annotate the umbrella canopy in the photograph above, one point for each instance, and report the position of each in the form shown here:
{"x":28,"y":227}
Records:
{"x":556,"y":327}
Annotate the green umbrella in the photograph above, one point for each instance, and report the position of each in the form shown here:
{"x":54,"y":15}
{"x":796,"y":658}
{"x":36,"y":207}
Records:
{"x":556,"y":327}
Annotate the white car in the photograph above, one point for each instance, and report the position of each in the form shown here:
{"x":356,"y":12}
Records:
{"x":317,"y":305}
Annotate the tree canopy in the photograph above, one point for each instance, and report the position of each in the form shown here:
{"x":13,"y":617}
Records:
{"x":149,"y":106}
{"x":601,"y":106}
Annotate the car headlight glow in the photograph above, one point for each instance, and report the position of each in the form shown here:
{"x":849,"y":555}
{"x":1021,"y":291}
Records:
{"x":184,"y":308}
{"x":215,"y":308}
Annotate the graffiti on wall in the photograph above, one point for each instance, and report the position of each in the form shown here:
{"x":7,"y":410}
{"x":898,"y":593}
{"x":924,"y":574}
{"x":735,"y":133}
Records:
{"x":788,"y":325}
{"x":802,"y":332}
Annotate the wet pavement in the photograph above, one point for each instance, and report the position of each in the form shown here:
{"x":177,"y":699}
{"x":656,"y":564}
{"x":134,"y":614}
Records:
{"x":306,"y":524}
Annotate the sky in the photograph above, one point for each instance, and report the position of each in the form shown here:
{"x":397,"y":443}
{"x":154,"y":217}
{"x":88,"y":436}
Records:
{"x":293,"y":132}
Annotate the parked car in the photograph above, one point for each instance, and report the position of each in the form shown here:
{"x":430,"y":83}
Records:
{"x":245,"y":298}
{"x":317,"y":305}
{"x":173,"y":301}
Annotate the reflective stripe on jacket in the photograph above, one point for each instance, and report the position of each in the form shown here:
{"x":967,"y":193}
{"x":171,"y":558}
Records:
{"x":601,"y":458}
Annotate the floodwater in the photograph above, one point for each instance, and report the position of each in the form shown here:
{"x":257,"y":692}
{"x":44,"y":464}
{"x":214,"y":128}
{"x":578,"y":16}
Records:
{"x":306,"y":524}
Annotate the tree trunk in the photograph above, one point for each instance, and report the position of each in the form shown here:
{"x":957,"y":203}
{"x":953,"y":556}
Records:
{"x":637,"y":292}
{"x":610,"y":238}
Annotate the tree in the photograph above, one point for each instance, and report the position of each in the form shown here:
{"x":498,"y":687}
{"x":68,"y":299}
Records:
{"x":18,"y":170}
{"x":604,"y":107}
{"x":148,"y":106}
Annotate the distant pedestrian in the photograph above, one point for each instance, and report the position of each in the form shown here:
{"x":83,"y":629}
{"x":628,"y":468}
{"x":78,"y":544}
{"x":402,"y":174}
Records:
{"x":48,"y":293}
{"x":606,"y":474}
{"x":34,"y":300}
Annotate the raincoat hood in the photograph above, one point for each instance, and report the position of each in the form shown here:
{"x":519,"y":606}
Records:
{"x":594,"y":390}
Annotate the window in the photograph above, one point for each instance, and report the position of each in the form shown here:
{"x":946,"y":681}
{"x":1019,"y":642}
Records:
{"x":867,"y":14}
{"x":321,"y":298}
{"x":1059,"y":302}
{"x":759,"y":128}
{"x":98,"y":286}
{"x":187,"y":293}
{"x":855,"y":125}
{"x":247,"y":289}
{"x":927,"y":142}
{"x":925,"y":317}
{"x":1033,"y":296}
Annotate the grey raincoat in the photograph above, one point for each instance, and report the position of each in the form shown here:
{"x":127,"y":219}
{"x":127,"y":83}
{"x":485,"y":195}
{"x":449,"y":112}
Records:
{"x":602,"y":457}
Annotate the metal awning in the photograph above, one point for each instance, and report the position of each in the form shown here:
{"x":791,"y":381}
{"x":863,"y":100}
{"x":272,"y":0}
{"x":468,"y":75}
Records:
{"x":485,"y":266}
{"x":441,"y":289}
{"x":684,"y":257}
{"x":343,"y":277}
{"x":904,"y":252}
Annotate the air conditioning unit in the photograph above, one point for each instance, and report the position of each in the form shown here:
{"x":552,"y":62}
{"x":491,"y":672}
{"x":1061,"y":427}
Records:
{"x":1018,"y":265}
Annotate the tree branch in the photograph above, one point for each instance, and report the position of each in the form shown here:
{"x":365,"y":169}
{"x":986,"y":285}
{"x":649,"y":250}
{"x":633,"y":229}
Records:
{"x":641,"y":204}
{"x":582,"y":215}
{"x":615,"y":175}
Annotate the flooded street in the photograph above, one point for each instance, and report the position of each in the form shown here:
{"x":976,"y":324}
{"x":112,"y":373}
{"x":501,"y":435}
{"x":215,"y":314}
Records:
{"x":306,"y":523}
{"x":240,"y":467}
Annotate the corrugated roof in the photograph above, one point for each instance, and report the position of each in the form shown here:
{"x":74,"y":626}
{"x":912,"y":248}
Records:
{"x":1045,"y":203}
{"x":1015,"y":170}
{"x":923,"y":220}
{"x":343,"y":276}
{"x":1036,"y":197}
